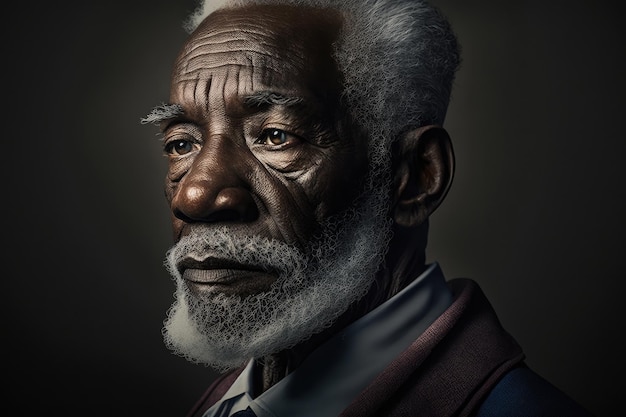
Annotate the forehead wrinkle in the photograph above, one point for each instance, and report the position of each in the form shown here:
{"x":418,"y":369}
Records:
{"x":259,"y":26}
{"x":245,"y":83}
{"x":260,"y":73}
{"x":237,"y":46}
{"x":206,"y":91}
{"x":229,"y":41}
{"x":230,"y":87}
{"x":188,"y":93}
{"x":214,"y":60}
{"x":225,"y":37}
{"x":223,"y":100}
{"x":189,"y":87}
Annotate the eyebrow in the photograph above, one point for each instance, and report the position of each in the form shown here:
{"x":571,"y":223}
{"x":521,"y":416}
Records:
{"x":162,"y":113}
{"x":262,"y":98}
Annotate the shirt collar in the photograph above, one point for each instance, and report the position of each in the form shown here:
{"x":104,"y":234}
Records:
{"x":335,"y":373}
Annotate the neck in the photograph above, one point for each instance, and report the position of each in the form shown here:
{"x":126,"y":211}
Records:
{"x":403,"y":264}
{"x":273,"y":368}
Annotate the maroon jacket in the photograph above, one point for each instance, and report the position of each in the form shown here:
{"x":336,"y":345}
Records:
{"x":449,"y":370}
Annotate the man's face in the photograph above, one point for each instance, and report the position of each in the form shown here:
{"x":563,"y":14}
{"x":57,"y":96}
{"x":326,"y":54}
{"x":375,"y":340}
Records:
{"x":259,"y":147}
{"x":262,"y":182}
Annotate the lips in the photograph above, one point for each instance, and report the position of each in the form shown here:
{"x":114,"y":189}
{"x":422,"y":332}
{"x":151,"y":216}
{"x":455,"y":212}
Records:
{"x":212,"y":264}
{"x":214,"y":274}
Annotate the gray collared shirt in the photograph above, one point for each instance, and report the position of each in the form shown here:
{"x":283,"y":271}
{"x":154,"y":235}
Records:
{"x":335,"y":373}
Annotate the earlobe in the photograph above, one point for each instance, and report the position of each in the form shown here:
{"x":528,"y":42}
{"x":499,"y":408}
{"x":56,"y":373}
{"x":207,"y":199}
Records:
{"x":424,"y":168}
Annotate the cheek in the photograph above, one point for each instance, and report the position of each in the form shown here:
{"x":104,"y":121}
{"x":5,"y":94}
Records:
{"x":176,"y":170}
{"x":289,"y":206}
{"x":338,"y":183}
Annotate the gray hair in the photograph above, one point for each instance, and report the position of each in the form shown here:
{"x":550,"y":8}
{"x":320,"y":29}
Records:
{"x":398,"y":58}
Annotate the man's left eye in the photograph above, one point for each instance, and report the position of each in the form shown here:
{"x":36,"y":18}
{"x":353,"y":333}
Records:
{"x":275,"y":137}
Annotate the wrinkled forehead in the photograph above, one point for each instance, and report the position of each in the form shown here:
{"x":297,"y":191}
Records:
{"x":282,"y":42}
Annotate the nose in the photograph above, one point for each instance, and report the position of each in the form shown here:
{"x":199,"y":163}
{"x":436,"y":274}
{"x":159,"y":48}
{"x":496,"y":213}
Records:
{"x":213,"y":190}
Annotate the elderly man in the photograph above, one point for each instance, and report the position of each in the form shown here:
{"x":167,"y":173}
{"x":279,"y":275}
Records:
{"x":306,"y":154}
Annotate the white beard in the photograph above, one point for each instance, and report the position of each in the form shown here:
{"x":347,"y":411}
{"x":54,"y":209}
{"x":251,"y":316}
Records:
{"x":312,"y":289}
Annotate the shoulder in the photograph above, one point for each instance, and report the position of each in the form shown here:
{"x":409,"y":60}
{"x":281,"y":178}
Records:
{"x":524,"y":393}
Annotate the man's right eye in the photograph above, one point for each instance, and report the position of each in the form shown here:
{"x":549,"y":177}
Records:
{"x":178,"y":147}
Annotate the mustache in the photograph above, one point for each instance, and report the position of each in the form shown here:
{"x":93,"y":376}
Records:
{"x":219,"y":245}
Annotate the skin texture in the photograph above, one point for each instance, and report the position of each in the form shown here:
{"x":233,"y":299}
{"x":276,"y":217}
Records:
{"x":263,"y":167}
{"x":271,"y":170}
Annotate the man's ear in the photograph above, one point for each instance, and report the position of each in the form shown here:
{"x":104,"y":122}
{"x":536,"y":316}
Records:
{"x":424,"y":168}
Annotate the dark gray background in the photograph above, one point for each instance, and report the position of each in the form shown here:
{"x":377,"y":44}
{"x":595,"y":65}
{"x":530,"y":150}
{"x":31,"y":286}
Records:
{"x":535,"y":214}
